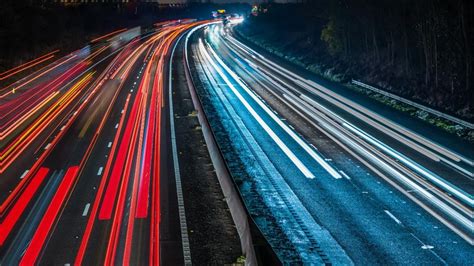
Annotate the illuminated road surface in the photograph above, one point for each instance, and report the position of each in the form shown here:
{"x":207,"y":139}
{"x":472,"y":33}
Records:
{"x":383,"y":190}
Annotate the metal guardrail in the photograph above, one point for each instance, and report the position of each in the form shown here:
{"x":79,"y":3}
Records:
{"x":417,"y":105}
{"x":236,"y":206}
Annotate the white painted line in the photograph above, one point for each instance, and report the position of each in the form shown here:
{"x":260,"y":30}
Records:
{"x":24,"y":174}
{"x":393,"y":217}
{"x":345,"y":175}
{"x":100,"y":170}
{"x":86,"y":209}
{"x":62,"y":128}
{"x":427,"y":247}
{"x":116,"y":125}
{"x":109,"y":145}
{"x":47,"y":146}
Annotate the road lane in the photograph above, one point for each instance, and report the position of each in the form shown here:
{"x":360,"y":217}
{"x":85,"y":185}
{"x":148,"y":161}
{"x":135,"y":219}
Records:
{"x":340,"y":182}
{"x":380,"y":196}
{"x":462,"y":194}
{"x":92,"y":119}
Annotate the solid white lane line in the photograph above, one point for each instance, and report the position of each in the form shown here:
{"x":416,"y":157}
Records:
{"x":392,"y":216}
{"x":86,"y":209}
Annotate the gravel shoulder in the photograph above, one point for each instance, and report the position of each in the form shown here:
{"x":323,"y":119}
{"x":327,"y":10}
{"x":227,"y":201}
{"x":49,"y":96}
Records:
{"x":212,"y":234}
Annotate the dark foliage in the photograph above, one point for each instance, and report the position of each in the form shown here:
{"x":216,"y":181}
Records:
{"x":421,"y":49}
{"x":30,"y":28}
{"x":27,"y":31}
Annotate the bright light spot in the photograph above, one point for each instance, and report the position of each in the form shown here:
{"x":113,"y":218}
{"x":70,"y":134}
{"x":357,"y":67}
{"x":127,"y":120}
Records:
{"x":236,"y":20}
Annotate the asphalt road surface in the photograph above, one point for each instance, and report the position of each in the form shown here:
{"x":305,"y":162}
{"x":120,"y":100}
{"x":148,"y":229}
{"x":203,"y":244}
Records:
{"x":388,"y":188}
{"x":87,"y":171}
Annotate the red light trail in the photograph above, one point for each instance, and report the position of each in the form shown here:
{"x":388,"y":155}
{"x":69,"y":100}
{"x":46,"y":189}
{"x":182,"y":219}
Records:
{"x":42,"y":110}
{"x":49,"y":218}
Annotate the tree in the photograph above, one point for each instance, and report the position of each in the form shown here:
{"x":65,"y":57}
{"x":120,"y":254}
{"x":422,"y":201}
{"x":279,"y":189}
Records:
{"x":331,"y":35}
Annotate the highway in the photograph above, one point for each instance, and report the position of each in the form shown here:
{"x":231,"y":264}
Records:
{"x":89,"y":158}
{"x":385,"y":188}
{"x":81,"y":156}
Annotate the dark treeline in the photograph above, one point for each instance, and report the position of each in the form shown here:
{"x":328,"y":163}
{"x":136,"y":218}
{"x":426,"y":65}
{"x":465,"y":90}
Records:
{"x":30,"y":28}
{"x":422,"y":49}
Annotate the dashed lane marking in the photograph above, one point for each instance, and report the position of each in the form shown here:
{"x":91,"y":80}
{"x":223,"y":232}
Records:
{"x":392,"y":216}
{"x":100,"y":170}
{"x":86,"y":209}
{"x":24,"y":174}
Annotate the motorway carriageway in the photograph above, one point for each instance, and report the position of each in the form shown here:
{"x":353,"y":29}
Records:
{"x":80,"y":153}
{"x":384,"y":192}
